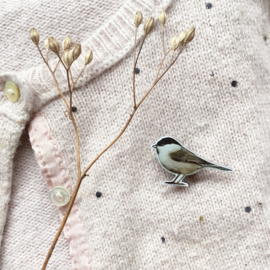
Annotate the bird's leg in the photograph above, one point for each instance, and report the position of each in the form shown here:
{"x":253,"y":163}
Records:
{"x":172,"y":181}
{"x":177,"y":181}
{"x":178,"y":178}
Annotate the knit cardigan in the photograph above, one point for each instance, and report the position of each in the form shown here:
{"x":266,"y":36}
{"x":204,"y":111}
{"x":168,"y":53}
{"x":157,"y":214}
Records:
{"x":215,"y":100}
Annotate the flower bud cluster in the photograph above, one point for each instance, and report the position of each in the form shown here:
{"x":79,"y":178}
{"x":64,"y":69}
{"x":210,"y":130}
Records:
{"x":50,"y":43}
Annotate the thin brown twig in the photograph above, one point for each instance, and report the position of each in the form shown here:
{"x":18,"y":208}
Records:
{"x":55,"y":81}
{"x":44,"y":59}
{"x":75,"y":127}
{"x":60,"y":59}
{"x":156,"y":81}
{"x":162,"y":63}
{"x":68,"y":106}
{"x":58,"y":62}
{"x":80,"y":178}
{"x":59,"y":90}
{"x":172,"y":56}
{"x":163,"y":40}
{"x":183,"y":46}
{"x":71,"y":76}
{"x":78,"y":165}
{"x":80,"y":74}
{"x":70,"y":94}
{"x":134,"y":59}
{"x":139,"y":51}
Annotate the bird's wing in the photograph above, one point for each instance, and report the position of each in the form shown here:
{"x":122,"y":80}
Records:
{"x":184,"y":155}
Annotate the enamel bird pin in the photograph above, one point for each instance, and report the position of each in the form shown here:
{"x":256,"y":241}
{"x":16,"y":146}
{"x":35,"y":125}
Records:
{"x":178,"y":160}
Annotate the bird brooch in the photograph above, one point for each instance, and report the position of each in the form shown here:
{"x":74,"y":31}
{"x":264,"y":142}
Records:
{"x":180,"y":161}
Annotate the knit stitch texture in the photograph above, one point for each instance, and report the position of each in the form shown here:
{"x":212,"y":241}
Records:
{"x":195,"y":103}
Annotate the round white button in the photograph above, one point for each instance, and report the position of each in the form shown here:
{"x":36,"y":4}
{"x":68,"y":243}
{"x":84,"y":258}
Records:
{"x":12,"y":91}
{"x":59,"y":196}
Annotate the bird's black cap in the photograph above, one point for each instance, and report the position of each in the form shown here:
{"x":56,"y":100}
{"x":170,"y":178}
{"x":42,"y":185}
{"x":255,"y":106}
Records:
{"x":167,"y":140}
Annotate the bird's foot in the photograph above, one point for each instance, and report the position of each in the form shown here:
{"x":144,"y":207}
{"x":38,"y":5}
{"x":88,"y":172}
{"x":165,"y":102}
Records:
{"x":172,"y":183}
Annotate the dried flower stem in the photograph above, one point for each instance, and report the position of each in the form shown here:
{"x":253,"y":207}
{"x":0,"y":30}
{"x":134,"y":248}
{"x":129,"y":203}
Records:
{"x":75,"y":127}
{"x":172,"y":56}
{"x":88,"y":58}
{"x":57,"y":63}
{"x":80,"y":74}
{"x":164,"y":49}
{"x":139,"y":51}
{"x":72,"y":81}
{"x":71,"y":76}
{"x":162,"y":63}
{"x":134,"y":66}
{"x":82,"y":176}
{"x":55,"y":81}
{"x":68,"y":106}
{"x":183,"y":46}
{"x":60,"y":60}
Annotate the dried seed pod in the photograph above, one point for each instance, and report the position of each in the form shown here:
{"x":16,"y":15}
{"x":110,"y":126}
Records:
{"x":174,"y":42}
{"x":162,"y":17}
{"x":66,"y":43}
{"x":54,"y":45}
{"x":47,"y":44}
{"x":148,"y":25}
{"x":34,"y":36}
{"x":190,"y":34}
{"x":182,"y":36}
{"x":76,"y":51}
{"x":138,"y":18}
{"x":67,"y":58}
{"x":88,"y":57}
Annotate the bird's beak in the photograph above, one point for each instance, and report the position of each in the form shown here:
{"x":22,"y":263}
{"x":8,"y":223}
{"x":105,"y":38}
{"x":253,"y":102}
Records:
{"x":154,"y":146}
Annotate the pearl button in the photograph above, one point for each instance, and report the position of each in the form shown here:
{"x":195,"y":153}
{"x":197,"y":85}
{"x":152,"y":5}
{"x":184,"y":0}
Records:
{"x":59,"y":196}
{"x":12,"y":91}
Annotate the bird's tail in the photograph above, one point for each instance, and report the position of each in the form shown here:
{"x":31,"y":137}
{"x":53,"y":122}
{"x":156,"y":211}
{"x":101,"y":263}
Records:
{"x":218,"y":167}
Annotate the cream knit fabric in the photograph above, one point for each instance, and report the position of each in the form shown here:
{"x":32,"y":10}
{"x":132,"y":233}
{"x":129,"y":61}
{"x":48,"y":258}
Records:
{"x":225,"y":124}
{"x":25,"y":240}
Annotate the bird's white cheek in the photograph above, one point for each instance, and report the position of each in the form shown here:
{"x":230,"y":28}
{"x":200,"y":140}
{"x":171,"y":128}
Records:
{"x":164,"y":159}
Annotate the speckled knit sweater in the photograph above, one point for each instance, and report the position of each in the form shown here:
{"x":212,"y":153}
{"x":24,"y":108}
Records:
{"x":134,"y":222}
